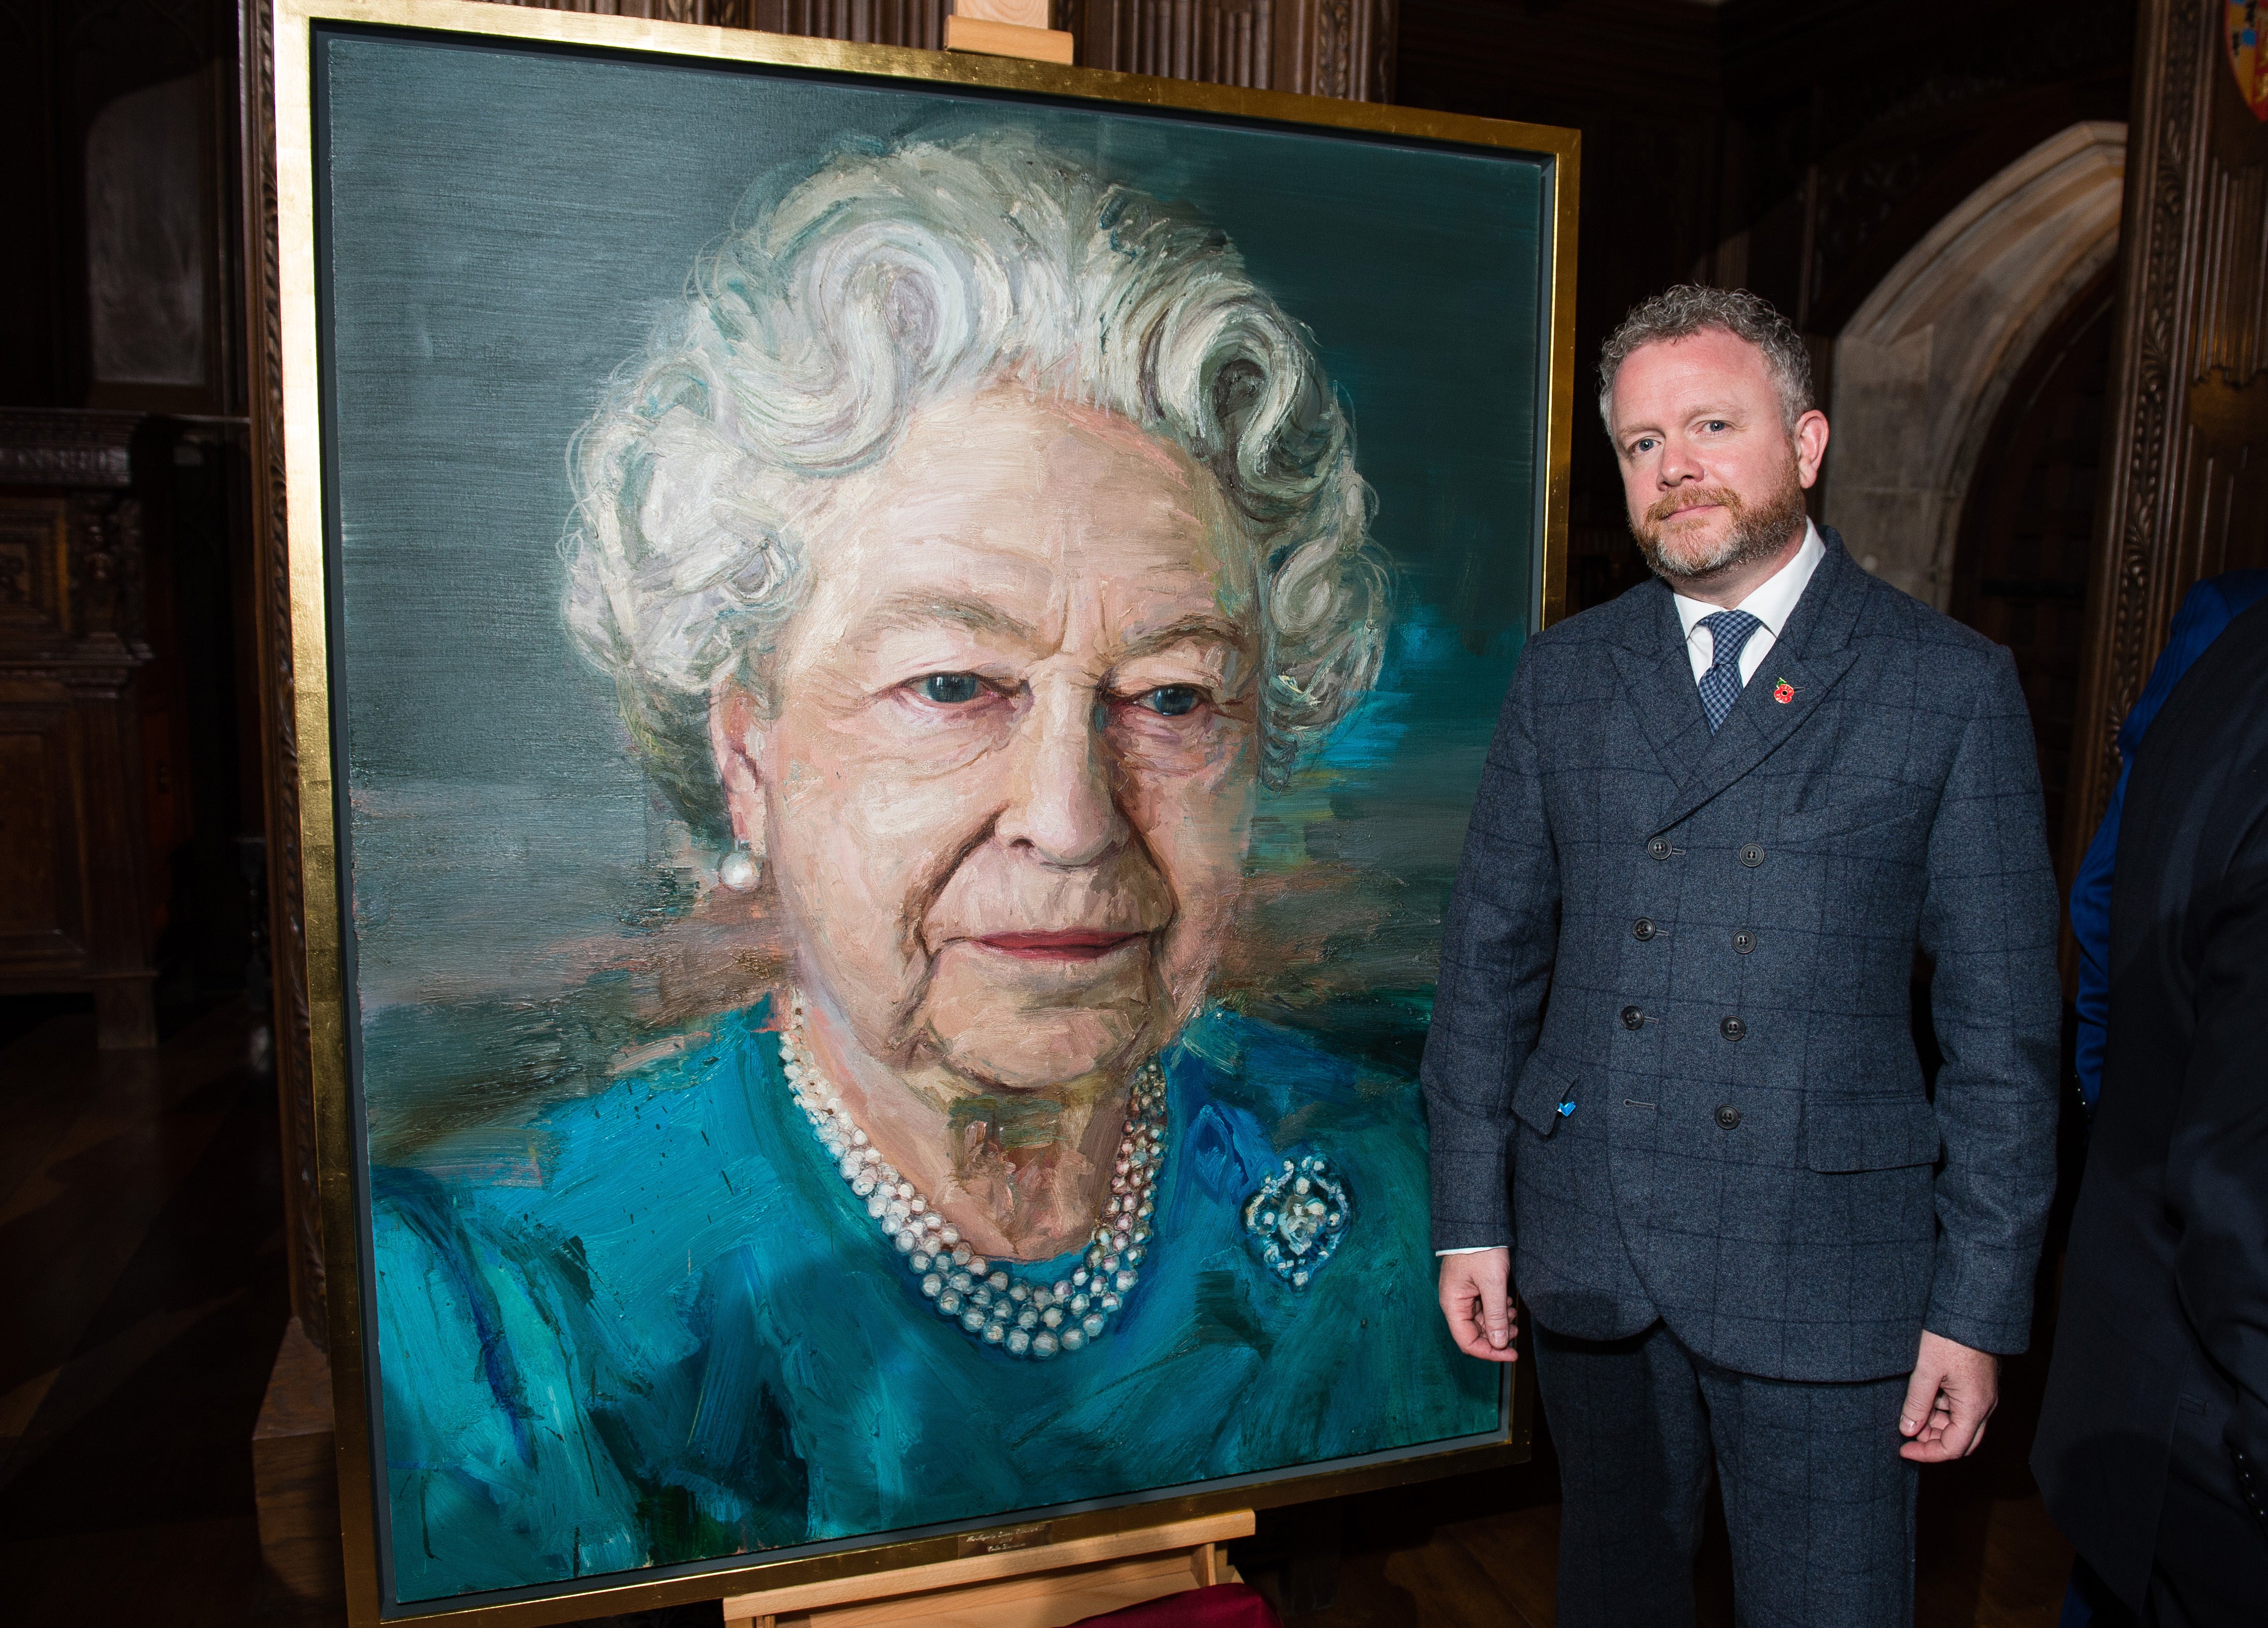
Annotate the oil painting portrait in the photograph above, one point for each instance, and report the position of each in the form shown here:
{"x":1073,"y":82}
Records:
{"x":908,"y":669}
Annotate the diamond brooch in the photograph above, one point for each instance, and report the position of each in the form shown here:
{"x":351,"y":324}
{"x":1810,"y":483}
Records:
{"x":1297,"y":1217}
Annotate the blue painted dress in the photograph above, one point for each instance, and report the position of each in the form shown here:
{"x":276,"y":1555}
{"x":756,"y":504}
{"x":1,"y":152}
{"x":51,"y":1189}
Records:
{"x":685,"y":1340}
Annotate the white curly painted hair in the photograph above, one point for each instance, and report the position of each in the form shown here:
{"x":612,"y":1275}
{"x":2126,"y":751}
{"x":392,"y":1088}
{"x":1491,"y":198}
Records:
{"x":888,"y":282}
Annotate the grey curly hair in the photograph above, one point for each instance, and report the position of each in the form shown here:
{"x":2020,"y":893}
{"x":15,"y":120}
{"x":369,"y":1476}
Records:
{"x":887,"y":281}
{"x":1688,"y":309}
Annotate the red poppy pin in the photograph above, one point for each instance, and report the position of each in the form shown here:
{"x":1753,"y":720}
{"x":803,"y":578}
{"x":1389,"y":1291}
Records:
{"x":1783,"y":692}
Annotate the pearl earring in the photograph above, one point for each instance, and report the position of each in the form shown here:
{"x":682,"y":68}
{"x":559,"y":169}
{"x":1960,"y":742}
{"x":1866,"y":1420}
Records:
{"x":739,"y":870}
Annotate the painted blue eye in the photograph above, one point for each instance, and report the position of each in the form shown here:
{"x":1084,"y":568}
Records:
{"x":951,"y":689}
{"x":1171,"y":701}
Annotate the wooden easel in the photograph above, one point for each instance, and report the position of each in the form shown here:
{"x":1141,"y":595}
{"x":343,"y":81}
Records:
{"x":1006,"y":28}
{"x":1026,"y":1581}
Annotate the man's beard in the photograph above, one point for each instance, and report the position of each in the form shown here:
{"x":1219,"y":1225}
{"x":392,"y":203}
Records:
{"x":1753,"y":533}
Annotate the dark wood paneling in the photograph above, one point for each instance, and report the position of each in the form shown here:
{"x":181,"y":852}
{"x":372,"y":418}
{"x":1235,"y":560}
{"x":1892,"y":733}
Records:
{"x":1795,"y":148}
{"x":2185,"y":492}
{"x":34,"y":535}
{"x":30,"y":364}
{"x":73,"y":836}
{"x":40,"y":860}
{"x":64,"y":64}
{"x":1319,"y":47}
{"x":2027,"y":538}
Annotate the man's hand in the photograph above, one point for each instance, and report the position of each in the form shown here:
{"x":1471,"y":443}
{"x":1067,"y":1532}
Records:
{"x":1953,"y":1392}
{"x":1477,"y":1298}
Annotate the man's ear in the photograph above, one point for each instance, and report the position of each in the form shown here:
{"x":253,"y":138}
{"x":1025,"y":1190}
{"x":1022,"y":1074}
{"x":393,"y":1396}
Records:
{"x":1810,"y":446}
{"x":737,"y":734}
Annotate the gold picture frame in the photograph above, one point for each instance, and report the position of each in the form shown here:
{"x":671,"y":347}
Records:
{"x":306,"y":547}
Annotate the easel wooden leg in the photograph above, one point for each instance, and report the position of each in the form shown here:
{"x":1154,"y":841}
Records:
{"x":1042,"y":1586}
{"x":1006,"y":28}
{"x":1201,"y":1566}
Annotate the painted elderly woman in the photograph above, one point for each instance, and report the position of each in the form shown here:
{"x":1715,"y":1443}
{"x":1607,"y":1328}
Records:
{"x":969,"y":553}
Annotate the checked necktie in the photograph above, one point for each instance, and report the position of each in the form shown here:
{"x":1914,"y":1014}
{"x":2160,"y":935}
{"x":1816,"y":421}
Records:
{"x":1721,"y":686}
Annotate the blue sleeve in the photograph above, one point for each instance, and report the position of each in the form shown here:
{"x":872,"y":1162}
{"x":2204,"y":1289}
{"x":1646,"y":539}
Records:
{"x":2207,"y":609}
{"x":2090,"y":926}
{"x":492,"y":1481}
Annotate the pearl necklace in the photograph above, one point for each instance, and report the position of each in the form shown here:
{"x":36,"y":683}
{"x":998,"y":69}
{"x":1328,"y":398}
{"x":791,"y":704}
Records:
{"x":1023,"y":1318}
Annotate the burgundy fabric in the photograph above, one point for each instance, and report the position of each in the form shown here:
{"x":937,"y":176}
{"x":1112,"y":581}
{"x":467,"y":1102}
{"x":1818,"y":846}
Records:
{"x":1224,"y":1605}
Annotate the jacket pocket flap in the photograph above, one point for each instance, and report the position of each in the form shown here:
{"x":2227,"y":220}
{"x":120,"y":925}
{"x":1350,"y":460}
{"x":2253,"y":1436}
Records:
{"x":1868,"y":1133}
{"x":1847,"y":819}
{"x":1544,"y":1083}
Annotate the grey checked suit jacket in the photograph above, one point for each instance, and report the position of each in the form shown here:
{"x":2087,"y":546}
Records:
{"x":1673,"y":1015}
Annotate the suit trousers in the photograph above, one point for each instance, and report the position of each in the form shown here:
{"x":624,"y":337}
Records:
{"x":1818,"y":1504}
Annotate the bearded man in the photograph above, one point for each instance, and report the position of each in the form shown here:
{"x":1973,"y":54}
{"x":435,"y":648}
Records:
{"x":1672,"y":1079}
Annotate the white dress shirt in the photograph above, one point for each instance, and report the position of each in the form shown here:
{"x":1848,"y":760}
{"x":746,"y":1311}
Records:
{"x":1772,"y":603}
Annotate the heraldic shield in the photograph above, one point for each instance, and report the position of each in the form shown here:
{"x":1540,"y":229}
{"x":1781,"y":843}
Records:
{"x":2246,"y":57}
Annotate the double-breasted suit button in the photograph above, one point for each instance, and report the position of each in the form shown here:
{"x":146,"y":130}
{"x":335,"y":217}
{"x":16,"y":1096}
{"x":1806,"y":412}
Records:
{"x":1659,"y":847}
{"x":1632,"y":1018}
{"x":1732,"y":1029}
{"x":1743,"y":940}
{"x":1642,"y":929}
{"x":1728,"y":1116}
{"x":2249,"y":1485}
{"x":1752,"y":855}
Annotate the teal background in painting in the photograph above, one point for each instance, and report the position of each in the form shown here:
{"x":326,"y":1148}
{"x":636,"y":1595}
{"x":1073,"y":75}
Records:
{"x":504,"y":223}
{"x":501,"y":227}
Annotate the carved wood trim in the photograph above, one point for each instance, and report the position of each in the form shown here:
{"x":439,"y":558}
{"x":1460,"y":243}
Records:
{"x":279,"y":743}
{"x":106,"y":572}
{"x":2189,"y":388}
{"x":66,"y":446}
{"x":2233,"y":309}
{"x":2146,"y":374}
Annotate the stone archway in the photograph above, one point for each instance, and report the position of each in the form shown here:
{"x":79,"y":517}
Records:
{"x":1921,"y":369}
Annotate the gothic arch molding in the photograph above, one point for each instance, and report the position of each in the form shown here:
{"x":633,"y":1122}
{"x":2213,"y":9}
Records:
{"x":1922,"y":367}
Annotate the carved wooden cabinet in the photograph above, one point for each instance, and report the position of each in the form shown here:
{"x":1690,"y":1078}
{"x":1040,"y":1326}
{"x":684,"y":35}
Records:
{"x":76,"y":906}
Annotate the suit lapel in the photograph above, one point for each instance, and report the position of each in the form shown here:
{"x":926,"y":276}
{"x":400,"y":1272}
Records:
{"x":1811,"y":657}
{"x":1657,"y":675}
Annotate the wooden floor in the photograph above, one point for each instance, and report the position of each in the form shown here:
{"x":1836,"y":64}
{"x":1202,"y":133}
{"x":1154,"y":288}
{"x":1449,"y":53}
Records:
{"x":1461,"y":1555}
{"x":1481,"y":1552}
{"x":142,"y":1274}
